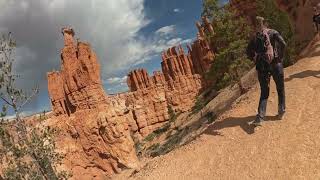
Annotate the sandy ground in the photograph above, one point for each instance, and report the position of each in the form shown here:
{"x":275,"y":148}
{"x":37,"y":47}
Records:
{"x":231,"y":149}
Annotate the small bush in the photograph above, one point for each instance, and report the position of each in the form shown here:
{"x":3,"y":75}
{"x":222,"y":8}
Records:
{"x":198,"y":105}
{"x":172,"y":118}
{"x":150,"y":137}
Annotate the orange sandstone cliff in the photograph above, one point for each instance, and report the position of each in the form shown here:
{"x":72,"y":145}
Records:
{"x":78,"y":85}
{"x":95,"y":139}
{"x":98,"y":130}
{"x":176,"y":86}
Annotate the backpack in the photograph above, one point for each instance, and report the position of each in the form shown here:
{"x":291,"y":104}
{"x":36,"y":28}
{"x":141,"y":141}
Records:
{"x":316,"y":19}
{"x":263,"y":46}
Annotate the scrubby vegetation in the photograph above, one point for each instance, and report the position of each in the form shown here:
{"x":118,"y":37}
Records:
{"x":43,"y":116}
{"x":200,"y":103}
{"x":139,"y":146}
{"x":230,"y":40}
{"x":172,"y":118}
{"x":26,"y":152}
{"x":231,"y":37}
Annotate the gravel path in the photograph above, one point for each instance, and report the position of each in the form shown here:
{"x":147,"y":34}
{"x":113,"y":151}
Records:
{"x":230,"y":149}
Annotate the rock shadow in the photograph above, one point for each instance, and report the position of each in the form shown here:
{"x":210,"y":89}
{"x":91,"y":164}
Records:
{"x":180,"y":136}
{"x":304,"y":74}
{"x":243,"y":122}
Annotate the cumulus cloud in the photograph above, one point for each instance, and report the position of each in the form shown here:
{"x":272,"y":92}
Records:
{"x":116,"y":84}
{"x":111,"y":27}
{"x":117,"y":80}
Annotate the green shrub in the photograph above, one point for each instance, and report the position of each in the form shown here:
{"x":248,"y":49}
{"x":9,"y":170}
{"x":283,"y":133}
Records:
{"x":230,"y":39}
{"x":198,"y":105}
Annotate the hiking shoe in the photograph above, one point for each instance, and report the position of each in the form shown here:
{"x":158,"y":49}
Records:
{"x":281,"y":115}
{"x":256,"y":122}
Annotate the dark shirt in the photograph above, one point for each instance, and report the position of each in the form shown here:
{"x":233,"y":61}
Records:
{"x":277,"y":43}
{"x":316,"y":19}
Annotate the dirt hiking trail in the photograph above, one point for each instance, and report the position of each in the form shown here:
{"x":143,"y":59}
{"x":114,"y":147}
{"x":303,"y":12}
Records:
{"x":230,"y":149}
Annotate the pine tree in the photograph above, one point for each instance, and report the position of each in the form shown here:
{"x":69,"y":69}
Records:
{"x":230,"y":40}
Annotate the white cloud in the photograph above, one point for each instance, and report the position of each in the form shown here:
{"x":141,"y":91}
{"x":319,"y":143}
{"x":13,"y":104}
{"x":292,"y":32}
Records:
{"x":166,"y":30}
{"x":117,"y":80}
{"x":22,"y":114}
{"x":116,"y":88}
{"x":178,"y":41}
{"x":174,"y":42}
{"x":111,"y":26}
{"x":177,"y":10}
{"x":186,"y":41}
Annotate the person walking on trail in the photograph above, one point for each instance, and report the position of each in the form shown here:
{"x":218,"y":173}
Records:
{"x":316,"y":17}
{"x":266,"y":49}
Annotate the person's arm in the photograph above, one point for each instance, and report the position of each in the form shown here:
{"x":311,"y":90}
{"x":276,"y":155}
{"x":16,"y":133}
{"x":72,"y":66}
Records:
{"x":281,"y":42}
{"x":314,"y":23}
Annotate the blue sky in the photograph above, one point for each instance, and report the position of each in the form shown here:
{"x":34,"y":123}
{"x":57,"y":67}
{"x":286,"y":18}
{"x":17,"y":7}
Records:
{"x":178,"y":17}
{"x":125,"y":34}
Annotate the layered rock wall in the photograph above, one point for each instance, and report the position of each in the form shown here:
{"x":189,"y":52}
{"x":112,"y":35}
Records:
{"x":139,"y":79}
{"x":175,"y":87}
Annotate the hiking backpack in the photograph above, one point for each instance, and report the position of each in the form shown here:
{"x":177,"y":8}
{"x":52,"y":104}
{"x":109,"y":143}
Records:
{"x":316,"y":19}
{"x":263,"y":46}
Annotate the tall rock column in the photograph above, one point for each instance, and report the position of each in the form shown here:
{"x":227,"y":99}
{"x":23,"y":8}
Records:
{"x":96,"y":138}
{"x":78,"y":85}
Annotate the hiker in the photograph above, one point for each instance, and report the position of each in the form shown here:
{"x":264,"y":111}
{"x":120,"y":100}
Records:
{"x":266,"y":49}
{"x":316,"y":17}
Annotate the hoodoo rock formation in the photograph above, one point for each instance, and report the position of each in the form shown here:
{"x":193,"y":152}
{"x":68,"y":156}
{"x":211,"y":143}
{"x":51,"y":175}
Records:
{"x":100,"y":129}
{"x":176,"y":87}
{"x":78,"y":84}
{"x":139,"y":79}
{"x":95,"y":140}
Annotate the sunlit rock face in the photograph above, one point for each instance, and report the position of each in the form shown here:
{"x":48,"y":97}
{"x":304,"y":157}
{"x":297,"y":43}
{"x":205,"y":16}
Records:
{"x":98,"y":128}
{"x":77,"y":85}
{"x":176,"y":86}
{"x":96,"y":140}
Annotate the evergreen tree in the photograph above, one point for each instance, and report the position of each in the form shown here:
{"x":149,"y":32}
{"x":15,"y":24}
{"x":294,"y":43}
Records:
{"x":230,"y":40}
